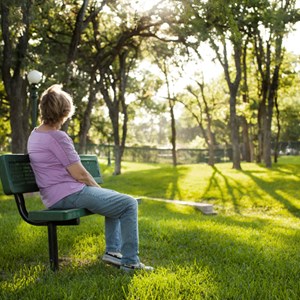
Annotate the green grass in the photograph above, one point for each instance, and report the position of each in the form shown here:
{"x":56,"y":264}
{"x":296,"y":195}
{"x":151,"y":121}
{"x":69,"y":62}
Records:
{"x":249,"y":250}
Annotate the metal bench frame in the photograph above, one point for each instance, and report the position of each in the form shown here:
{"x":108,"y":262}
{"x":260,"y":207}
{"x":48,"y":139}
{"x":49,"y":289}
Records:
{"x":18,"y":179}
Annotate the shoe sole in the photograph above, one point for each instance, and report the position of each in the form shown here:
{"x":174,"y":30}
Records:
{"x":128,"y":269}
{"x":111,"y":261}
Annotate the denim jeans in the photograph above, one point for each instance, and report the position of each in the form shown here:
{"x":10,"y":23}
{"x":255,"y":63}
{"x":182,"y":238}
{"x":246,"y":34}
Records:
{"x":121,"y":218}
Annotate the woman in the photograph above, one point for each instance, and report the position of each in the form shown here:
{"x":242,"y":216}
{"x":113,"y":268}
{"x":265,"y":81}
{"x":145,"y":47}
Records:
{"x":65,"y":183}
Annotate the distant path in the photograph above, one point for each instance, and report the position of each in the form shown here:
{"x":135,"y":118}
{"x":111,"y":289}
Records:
{"x":205,"y":208}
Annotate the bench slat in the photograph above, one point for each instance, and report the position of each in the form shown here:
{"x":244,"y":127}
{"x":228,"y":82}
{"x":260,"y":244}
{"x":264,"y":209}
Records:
{"x":58,"y":215}
{"x":90,"y":162}
{"x":16,"y":174}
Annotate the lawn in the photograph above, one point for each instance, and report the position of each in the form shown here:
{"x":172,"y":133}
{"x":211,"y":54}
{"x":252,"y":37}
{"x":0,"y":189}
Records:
{"x":249,"y":250}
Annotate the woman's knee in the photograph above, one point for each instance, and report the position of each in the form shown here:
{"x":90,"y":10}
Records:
{"x":132,"y":201}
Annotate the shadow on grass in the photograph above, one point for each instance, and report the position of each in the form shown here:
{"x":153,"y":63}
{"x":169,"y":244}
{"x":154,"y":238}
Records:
{"x":281,"y":184}
{"x":237,"y":253}
{"x":241,"y":253}
{"x":164,"y":181}
{"x":214,"y":183}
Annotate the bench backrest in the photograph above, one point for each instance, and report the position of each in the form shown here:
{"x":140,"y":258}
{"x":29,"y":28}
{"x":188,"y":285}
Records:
{"x":17,"y":176}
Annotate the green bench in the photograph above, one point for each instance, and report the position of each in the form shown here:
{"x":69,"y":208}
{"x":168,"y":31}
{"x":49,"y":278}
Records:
{"x":18,"y":179}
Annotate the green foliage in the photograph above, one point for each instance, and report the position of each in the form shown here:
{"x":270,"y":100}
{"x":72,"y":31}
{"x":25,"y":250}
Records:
{"x":290,"y":121}
{"x":288,"y":99}
{"x":117,"y":27}
{"x":252,"y":242}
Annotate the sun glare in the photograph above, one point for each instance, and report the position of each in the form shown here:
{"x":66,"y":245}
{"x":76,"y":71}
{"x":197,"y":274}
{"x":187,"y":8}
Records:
{"x":142,"y":6}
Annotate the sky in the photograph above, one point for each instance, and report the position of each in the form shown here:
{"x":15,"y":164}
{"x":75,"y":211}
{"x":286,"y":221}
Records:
{"x":292,"y":43}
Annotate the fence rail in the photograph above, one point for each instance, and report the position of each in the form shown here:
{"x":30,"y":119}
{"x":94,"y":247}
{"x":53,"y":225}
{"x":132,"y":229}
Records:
{"x":156,"y":155}
{"x":184,"y":156}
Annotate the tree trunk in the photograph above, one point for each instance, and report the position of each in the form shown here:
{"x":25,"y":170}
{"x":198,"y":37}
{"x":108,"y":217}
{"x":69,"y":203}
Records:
{"x":211,"y":154}
{"x":75,"y":41}
{"x":261,"y":115}
{"x":73,"y":47}
{"x":173,"y":133}
{"x":233,"y":89}
{"x":267,"y":144}
{"x":236,"y":159}
{"x":246,"y":153}
{"x":86,"y":123}
{"x":171,"y":107}
{"x":114,"y":117}
{"x":268,"y":129}
{"x":278,"y":132}
{"x":19,"y":117}
{"x":114,"y":111}
{"x":14,"y":53}
{"x":233,"y":86}
{"x":118,"y":159}
{"x":118,"y":148}
{"x":206,"y":132}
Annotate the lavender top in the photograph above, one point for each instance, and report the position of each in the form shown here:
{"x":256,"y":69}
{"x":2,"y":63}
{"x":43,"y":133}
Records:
{"x":50,"y":154}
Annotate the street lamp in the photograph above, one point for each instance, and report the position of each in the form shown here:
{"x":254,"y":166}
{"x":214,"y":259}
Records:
{"x":34,"y":77}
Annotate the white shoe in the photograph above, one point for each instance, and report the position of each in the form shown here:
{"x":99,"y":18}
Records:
{"x":138,"y":266}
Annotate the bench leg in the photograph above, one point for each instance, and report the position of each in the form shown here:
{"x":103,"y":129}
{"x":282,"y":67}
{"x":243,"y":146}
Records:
{"x":52,"y":244}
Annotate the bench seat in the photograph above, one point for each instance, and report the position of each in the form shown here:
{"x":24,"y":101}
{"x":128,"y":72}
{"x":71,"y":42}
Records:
{"x":58,"y":215}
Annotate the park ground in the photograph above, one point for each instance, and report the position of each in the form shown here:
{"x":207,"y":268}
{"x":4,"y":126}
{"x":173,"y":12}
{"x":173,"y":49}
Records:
{"x":248,"y":250}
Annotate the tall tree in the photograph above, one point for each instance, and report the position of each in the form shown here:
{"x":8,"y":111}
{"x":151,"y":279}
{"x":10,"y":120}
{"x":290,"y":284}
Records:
{"x":166,"y":65}
{"x":222,"y":25}
{"x":54,"y":30}
{"x":201,"y":110}
{"x":15,"y":27}
{"x":268,"y":34}
{"x":112,"y":86}
{"x":117,"y":48}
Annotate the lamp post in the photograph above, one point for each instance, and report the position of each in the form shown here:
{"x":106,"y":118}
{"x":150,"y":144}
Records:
{"x":34,"y":77}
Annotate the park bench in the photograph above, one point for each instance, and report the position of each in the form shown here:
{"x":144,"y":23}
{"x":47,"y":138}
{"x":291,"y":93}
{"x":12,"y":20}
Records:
{"x":18,"y":179}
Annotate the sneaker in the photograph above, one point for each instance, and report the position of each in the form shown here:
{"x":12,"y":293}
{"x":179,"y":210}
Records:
{"x":113,"y":258}
{"x":138,"y":266}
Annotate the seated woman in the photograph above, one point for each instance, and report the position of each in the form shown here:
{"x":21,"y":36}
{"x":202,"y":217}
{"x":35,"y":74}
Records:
{"x":65,"y":183}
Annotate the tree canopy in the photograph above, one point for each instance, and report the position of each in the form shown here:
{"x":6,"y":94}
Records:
{"x":96,"y":50}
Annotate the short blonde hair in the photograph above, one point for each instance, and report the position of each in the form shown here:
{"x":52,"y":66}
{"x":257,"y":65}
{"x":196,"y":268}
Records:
{"x":55,"y":105}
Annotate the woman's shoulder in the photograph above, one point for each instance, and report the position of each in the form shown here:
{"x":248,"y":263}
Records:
{"x":59,"y":135}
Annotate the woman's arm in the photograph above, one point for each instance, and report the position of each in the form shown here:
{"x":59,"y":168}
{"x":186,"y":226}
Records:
{"x":79,"y":173}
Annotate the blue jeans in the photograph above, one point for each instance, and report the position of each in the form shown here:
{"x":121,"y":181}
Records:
{"x":121,"y":218}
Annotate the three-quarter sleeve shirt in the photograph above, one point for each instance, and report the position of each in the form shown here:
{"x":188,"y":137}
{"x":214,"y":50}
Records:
{"x":50,"y":154}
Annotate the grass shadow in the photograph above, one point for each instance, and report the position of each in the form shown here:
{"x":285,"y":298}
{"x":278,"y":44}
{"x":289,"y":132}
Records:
{"x":213,"y":183}
{"x":161,"y":182}
{"x":217,"y":257}
{"x":272,"y":188}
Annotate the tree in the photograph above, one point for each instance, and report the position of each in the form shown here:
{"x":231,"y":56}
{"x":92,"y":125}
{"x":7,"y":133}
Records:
{"x":112,"y":86}
{"x":15,"y":23}
{"x":222,"y":25}
{"x":117,"y":48}
{"x":4,"y":124}
{"x":50,"y":33}
{"x":268,"y":33}
{"x":202,"y":112}
{"x":229,"y":28}
{"x":167,"y":50}
{"x":288,"y":116}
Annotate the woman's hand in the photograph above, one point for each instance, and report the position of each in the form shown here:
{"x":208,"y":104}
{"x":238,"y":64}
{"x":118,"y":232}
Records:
{"x":79,"y":173}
